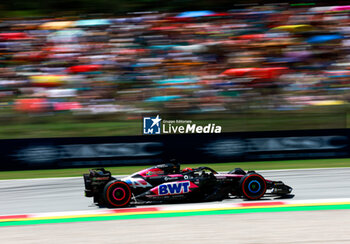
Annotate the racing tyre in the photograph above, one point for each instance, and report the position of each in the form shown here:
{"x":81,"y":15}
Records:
{"x":117,"y":194}
{"x":252,"y":186}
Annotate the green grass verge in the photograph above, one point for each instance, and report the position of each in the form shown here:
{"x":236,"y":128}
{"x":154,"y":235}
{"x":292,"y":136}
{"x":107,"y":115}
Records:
{"x":125,"y":170}
{"x":18,"y":126}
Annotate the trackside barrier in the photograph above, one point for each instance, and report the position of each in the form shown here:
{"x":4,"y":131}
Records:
{"x":44,"y":153}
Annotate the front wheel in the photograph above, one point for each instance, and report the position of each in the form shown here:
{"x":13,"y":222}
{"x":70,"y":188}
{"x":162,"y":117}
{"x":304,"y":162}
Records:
{"x":252,"y":186}
{"x":117,"y":194}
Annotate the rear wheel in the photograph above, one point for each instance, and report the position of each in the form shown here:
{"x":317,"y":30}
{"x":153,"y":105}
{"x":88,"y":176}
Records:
{"x":252,"y":186}
{"x":117,"y":194}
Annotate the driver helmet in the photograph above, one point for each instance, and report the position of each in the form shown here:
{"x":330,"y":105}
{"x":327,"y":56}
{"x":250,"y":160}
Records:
{"x":176,"y":165}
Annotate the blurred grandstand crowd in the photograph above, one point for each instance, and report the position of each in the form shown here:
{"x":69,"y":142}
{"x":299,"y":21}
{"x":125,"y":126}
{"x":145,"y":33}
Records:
{"x":268,"y":57}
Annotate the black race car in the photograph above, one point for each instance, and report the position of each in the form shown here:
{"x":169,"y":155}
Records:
{"x":167,"y":183}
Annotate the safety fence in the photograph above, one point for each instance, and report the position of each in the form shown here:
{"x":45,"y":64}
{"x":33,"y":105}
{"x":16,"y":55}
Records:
{"x":44,"y":153}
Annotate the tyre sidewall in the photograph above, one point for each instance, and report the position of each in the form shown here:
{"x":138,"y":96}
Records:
{"x":117,"y":187}
{"x":246,"y":188}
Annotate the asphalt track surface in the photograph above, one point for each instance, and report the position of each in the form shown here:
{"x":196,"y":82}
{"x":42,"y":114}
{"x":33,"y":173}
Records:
{"x":66,"y":194}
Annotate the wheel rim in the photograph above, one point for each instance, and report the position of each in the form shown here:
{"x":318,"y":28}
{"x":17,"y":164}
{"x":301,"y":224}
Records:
{"x":254,"y":186}
{"x":118,"y":193}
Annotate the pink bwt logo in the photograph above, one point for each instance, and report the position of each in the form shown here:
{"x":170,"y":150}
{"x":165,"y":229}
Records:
{"x":174,"y":188}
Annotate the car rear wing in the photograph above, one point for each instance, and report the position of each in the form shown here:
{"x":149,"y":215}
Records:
{"x":96,"y":180}
{"x":99,"y":172}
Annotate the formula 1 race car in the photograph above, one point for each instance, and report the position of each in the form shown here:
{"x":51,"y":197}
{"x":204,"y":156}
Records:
{"x":167,"y":183}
